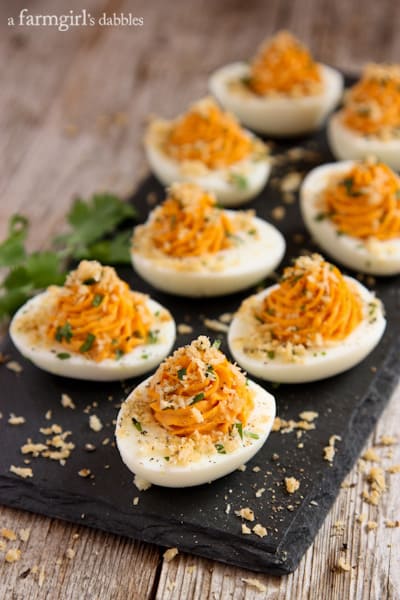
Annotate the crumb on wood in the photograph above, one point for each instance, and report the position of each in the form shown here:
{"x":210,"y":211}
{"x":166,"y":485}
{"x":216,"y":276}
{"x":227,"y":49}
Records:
{"x":260,"y":530}
{"x":170,"y":554}
{"x":392,"y":524}
{"x":371,"y":525}
{"x":24,"y":534}
{"x":67,"y":402}
{"x":70,"y":553}
{"x":387,"y":440}
{"x":361,"y":518}
{"x":393,"y":469}
{"x":184,"y":328}
{"x":292,"y":484}
{"x":371,"y":455}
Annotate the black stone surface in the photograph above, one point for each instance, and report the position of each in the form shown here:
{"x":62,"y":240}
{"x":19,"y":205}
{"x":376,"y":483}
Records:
{"x":195,"y":519}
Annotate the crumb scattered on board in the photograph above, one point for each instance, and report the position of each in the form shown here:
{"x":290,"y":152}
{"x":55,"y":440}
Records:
{"x":170,"y":554}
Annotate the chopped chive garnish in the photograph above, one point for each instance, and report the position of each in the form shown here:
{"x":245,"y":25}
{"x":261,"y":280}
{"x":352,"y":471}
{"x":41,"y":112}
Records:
{"x":97,"y":299}
{"x":210,"y":369}
{"x":166,"y":458}
{"x":88,"y":343}
{"x":118,"y":353}
{"x":320,"y":216}
{"x":216,"y":344}
{"x":197,"y":398}
{"x":251,"y":435}
{"x":137,"y":424}
{"x":220,"y":448}
{"x":271,"y":354}
{"x":64,"y":332}
{"x":181,"y":373}
{"x":63,"y":355}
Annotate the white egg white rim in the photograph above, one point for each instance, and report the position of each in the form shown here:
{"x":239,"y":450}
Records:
{"x":346,"y":143}
{"x":328,"y":361}
{"x":215,"y":180}
{"x":159,"y":472}
{"x":192,"y":283}
{"x":141,"y":360}
{"x":348,"y":250}
{"x":266,"y":108}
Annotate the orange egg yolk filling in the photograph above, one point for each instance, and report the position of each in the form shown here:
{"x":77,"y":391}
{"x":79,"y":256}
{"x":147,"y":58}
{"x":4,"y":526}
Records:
{"x":372,"y":106}
{"x":198,"y":390}
{"x":284,"y":66}
{"x":313,"y":302}
{"x":188,"y":223}
{"x":97,"y":315}
{"x":209,"y":135}
{"x":365,"y":203}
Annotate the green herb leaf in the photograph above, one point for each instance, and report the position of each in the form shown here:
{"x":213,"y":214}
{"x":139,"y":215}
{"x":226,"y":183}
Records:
{"x":181,"y":373}
{"x":197,"y":398}
{"x":220,"y":448}
{"x":88,"y":343}
{"x":166,"y":458}
{"x":12,"y":250}
{"x":239,"y":427}
{"x":216,"y":344}
{"x":113,"y":251}
{"x":97,"y":299}
{"x":271,"y":354}
{"x":64,"y":332}
{"x":137,"y":424}
{"x":152,"y":337}
{"x":118,"y":353}
{"x":251,"y":435}
{"x":239,"y":181}
{"x":63,"y":355}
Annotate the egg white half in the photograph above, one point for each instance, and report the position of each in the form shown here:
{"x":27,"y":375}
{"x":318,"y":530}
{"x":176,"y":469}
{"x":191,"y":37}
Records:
{"x":155,"y":469}
{"x":225,"y":183}
{"x":278,"y":115}
{"x":346,"y":144}
{"x":317,"y":363}
{"x":142,"y":359}
{"x":378,"y":257}
{"x":246,"y":264}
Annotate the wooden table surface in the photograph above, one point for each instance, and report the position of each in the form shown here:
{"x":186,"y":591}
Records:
{"x":72,"y":109}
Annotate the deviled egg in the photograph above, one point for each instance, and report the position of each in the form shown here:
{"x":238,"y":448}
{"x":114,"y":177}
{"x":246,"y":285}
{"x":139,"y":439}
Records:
{"x":352,"y":210}
{"x":208,"y":147}
{"x":369,"y":123}
{"x":315,"y":323}
{"x":196,"y":419}
{"x":282,"y":92}
{"x":94,"y":327}
{"x":191,"y":247}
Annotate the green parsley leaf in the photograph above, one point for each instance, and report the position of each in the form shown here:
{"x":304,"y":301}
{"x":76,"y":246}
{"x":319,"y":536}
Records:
{"x":88,"y":343}
{"x":216,"y":344}
{"x":152,"y":337}
{"x":239,"y":181}
{"x":64,"y":332}
{"x":63,"y":355}
{"x":137,"y":424}
{"x":12,"y":250}
{"x":97,"y":299}
{"x":181,"y":373}
{"x":220,"y":448}
{"x":271,"y":354}
{"x":197,"y":398}
{"x":166,"y":458}
{"x":112,"y":251}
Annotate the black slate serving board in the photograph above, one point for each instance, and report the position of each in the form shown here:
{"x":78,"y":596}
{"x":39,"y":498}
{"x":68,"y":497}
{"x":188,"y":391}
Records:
{"x":197,"y":520}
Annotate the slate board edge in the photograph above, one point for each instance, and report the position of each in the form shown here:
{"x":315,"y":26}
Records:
{"x":22,"y":494}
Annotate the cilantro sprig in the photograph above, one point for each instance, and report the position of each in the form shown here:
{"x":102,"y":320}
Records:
{"x":91,"y":234}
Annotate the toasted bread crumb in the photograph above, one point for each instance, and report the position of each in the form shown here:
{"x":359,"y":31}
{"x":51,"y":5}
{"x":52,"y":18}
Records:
{"x":245,"y":513}
{"x":66,"y":401}
{"x":14,"y":420}
{"x":8,"y":534}
{"x":372,"y":525}
{"x":387,"y":440}
{"x":24,"y":534}
{"x":245,"y":530}
{"x":215,"y":325}
{"x":259,"y":530}
{"x":94,"y":423}
{"x":308,"y":415}
{"x":70,"y":553}
{"x":84,"y":472}
{"x":371,"y":455}
{"x":330,"y":450}
{"x":141,"y":484}
{"x":184,"y":328}
{"x":12,"y":365}
{"x":170,"y":554}
{"x":12,"y":555}
{"x":393,"y":469}
{"x":136,"y":501}
{"x":392,"y":524}
{"x":342,"y":565}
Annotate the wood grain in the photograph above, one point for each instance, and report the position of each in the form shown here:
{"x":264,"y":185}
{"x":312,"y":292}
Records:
{"x":72,"y":108}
